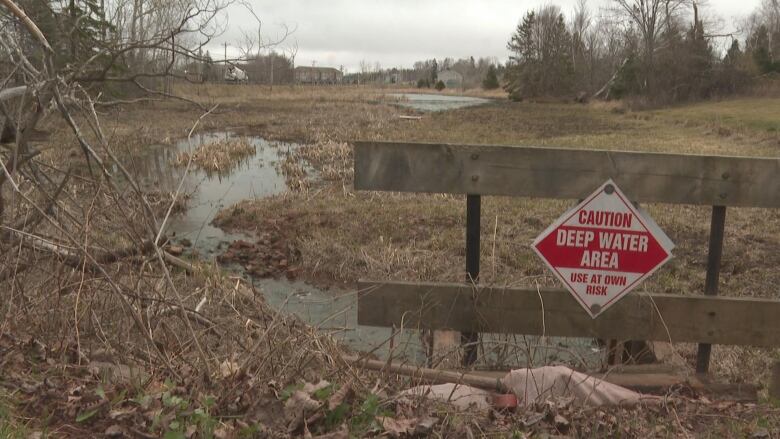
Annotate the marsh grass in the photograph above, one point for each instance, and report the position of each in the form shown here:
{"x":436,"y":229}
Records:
{"x":219,"y":156}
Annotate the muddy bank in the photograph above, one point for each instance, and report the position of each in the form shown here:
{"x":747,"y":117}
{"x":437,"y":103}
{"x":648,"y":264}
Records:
{"x":272,"y":255}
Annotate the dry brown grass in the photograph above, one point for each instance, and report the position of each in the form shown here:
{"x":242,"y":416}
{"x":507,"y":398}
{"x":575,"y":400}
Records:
{"x":344,"y":114}
{"x":218,"y":156}
{"x":234,"y":93}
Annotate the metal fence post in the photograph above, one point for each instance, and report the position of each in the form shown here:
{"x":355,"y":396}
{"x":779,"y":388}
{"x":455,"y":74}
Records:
{"x":717,"y":226}
{"x":473,"y":214}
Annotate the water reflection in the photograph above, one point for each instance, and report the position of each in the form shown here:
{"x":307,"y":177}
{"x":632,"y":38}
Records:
{"x":432,"y":102}
{"x":208,"y":193}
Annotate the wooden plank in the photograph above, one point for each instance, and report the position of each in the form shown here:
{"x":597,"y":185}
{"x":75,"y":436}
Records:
{"x":566,"y":173}
{"x":715,"y":320}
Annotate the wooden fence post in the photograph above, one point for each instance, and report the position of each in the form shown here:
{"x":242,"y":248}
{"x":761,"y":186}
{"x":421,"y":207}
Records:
{"x":470,"y":340}
{"x":717,"y":226}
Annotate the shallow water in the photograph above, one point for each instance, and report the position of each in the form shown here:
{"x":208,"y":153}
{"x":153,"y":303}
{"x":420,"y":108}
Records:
{"x":255,"y":177}
{"x":334,"y":311}
{"x":436,"y":102}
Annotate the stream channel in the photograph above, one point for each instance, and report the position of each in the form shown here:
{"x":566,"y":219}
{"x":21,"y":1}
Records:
{"x":330,"y":310}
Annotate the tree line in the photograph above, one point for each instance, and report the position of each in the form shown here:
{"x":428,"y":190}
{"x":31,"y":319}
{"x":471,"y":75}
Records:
{"x":138,"y":45}
{"x":424,"y":73}
{"x":656,"y":50}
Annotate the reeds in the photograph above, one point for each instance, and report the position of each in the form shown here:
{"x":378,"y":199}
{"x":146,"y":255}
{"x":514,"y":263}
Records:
{"x":219,"y":156}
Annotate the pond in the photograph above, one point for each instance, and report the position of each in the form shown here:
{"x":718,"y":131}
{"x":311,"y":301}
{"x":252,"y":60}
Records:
{"x":208,"y":193}
{"x":436,"y":102}
{"x":330,"y":310}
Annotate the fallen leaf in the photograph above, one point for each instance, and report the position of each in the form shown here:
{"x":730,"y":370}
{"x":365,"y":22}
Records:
{"x":412,"y":426}
{"x":425,"y":425}
{"x":311,"y":388}
{"x":114,"y":431}
{"x":298,"y":406}
{"x":85,"y":416}
{"x":301,"y":401}
{"x":561,"y":423}
{"x":342,"y":433}
{"x":344,"y":393}
{"x":760,"y":433}
{"x":397,"y":427}
{"x":532,"y":419}
{"x":222,"y":432}
{"x":121,"y":413}
{"x":228,"y":368}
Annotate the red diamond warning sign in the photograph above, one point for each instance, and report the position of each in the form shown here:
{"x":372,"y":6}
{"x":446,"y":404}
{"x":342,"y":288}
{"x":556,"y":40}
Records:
{"x":603,"y":248}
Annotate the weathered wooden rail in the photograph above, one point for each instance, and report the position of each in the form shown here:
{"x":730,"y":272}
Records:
{"x":566,"y":173}
{"x":477,"y":170}
{"x":554,"y":312}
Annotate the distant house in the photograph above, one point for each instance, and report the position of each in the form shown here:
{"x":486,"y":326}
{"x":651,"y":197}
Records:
{"x":451,"y":78}
{"x":318,"y":75}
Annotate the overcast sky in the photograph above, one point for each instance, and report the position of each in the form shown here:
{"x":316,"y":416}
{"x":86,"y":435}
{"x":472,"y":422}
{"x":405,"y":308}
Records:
{"x":395,"y":33}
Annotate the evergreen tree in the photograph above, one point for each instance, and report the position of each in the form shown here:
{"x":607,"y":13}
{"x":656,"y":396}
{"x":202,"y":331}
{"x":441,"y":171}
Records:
{"x":628,"y":79}
{"x":491,"y":79}
{"x":77,"y":30}
{"x":541,"y":56}
{"x":734,"y":73}
{"x":434,"y":75}
{"x":759,"y":43}
{"x":698,"y":62}
{"x":734,"y":55}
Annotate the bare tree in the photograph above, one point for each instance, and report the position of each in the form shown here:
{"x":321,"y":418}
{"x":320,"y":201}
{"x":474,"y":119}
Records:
{"x":651,"y":18}
{"x":291,"y":50}
{"x":265,"y":43}
{"x":365,"y":68}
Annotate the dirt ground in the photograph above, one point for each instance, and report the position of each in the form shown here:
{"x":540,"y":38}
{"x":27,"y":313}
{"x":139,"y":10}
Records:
{"x":78,"y":373}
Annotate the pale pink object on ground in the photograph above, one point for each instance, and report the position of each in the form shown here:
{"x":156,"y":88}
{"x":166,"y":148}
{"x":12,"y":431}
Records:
{"x":543,"y":383}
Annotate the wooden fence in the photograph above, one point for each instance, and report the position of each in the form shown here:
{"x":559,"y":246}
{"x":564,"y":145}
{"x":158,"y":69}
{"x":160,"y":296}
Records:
{"x":478,"y":170}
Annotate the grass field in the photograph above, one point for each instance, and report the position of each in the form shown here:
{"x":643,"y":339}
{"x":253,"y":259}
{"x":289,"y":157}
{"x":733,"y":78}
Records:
{"x":350,"y":113}
{"x":748,"y":116}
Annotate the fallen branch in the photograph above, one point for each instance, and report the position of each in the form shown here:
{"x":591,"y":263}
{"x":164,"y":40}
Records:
{"x":69,"y":257}
{"x":178,"y":262}
{"x":13,"y":92}
{"x":606,"y":88}
{"x":170,"y":96}
{"x":430,"y":375}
